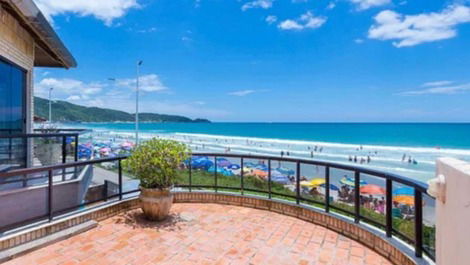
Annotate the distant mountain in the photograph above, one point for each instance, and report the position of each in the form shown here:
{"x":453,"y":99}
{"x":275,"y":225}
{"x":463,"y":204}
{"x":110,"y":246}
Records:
{"x":64,"y":111}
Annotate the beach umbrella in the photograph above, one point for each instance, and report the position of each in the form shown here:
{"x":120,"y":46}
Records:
{"x":249,"y":165}
{"x":404,"y":195}
{"x":332,"y":187}
{"x":351,"y":181}
{"x":260,"y":173}
{"x":233,"y":167}
{"x":127,"y":144}
{"x":223,"y":162}
{"x":280,"y":179}
{"x":371,"y":189}
{"x":105,"y":149}
{"x":312,"y":183}
{"x":407,"y":191}
{"x":285,"y":171}
{"x":404,"y":199}
{"x":261,"y":167}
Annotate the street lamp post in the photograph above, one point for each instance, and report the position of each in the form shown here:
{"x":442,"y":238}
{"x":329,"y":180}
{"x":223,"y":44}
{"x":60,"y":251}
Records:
{"x":50,"y":105}
{"x":139,"y":63}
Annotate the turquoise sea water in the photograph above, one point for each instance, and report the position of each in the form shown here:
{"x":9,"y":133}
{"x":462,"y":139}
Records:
{"x":390,"y":146}
{"x":444,"y":135}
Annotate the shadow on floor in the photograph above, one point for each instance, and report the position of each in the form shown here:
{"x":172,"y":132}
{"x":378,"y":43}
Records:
{"x":137,"y":220}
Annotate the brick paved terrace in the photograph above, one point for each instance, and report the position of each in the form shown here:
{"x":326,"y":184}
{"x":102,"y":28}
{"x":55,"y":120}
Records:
{"x":205,"y":234}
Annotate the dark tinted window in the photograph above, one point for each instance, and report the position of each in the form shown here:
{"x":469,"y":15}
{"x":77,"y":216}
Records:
{"x":12,"y":82}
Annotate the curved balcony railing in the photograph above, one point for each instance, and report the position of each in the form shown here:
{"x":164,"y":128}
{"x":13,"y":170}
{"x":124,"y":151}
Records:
{"x":397,"y":205}
{"x":390,"y":202}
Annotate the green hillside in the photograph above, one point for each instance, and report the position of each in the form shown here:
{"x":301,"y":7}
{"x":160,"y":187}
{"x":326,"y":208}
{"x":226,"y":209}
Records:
{"x":64,"y":111}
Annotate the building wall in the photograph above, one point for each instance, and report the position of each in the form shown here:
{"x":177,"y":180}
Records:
{"x":17,"y":45}
{"x":453,"y":214}
{"x":31,"y":202}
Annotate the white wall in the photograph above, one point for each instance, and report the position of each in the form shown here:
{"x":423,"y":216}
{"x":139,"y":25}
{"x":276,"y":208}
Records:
{"x":453,"y":215}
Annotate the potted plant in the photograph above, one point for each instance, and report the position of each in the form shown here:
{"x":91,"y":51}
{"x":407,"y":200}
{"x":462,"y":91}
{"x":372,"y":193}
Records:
{"x":155,"y":164}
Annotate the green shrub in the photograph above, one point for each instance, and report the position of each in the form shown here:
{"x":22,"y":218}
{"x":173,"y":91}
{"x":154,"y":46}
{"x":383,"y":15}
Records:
{"x":155,"y":162}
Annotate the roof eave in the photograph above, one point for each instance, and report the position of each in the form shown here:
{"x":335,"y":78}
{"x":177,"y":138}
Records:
{"x":45,"y":36}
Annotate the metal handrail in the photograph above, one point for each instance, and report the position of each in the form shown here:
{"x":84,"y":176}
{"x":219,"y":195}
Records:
{"x":419,"y":188}
{"x":32,"y":170}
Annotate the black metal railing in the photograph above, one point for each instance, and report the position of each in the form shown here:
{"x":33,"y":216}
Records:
{"x":50,"y":180}
{"x":19,"y":150}
{"x":194,"y":178}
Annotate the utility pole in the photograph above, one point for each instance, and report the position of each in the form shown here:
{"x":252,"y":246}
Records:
{"x":139,"y":63}
{"x":50,"y":105}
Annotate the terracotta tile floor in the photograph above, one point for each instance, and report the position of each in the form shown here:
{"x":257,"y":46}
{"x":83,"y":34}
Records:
{"x":205,"y":234}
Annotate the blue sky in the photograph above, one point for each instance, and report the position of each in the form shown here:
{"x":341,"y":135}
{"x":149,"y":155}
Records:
{"x":262,"y":60}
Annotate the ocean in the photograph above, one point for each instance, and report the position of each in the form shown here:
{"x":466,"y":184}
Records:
{"x":408,"y":149}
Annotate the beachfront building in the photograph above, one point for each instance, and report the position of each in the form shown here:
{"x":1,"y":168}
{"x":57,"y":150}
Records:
{"x":27,"y":40}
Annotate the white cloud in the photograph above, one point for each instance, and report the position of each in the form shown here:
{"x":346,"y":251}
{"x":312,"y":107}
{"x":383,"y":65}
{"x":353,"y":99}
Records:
{"x":149,"y":30}
{"x":437,"y":83}
{"x":358,"y":41}
{"x":305,"y":21}
{"x":74,"y":98}
{"x":271,"y":19}
{"x":148,"y":83}
{"x":66,"y":87}
{"x":105,"y":10}
{"x":412,"y":30}
{"x":331,"y":5}
{"x":186,"y":39}
{"x":436,"y":88}
{"x":366,"y":4}
{"x":242,"y":93}
{"x":265,"y":4}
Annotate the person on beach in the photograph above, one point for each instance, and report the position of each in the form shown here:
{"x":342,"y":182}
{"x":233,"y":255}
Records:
{"x":350,"y":158}
{"x":311,"y":154}
{"x":321,"y":149}
{"x":368,"y":159}
{"x":282,"y":153}
{"x":403,"y":158}
{"x":288,"y":154}
{"x":355,"y":159}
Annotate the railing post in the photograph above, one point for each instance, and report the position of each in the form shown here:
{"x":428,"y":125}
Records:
{"x":105,"y":190}
{"x":64,"y":150}
{"x":215,"y":173}
{"x":76,"y":148}
{"x":269,"y":179}
{"x":418,"y":224}
{"x":357,"y":194}
{"x":50,"y":196}
{"x":297,"y":183}
{"x":241,"y":177}
{"x":64,"y":155}
{"x":120,"y":179}
{"x":388,"y":208}
{"x":190,"y":174}
{"x":327,"y":189}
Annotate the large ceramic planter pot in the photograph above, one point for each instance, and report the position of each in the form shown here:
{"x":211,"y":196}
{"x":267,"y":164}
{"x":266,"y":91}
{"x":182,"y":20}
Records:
{"x":156,"y":203}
